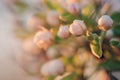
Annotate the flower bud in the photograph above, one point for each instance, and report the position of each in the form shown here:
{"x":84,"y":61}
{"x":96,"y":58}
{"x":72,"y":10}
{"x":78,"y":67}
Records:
{"x":109,"y":34}
{"x":53,"y":18}
{"x":28,"y":62}
{"x":30,"y":47}
{"x":105,"y":23}
{"x":35,"y":23}
{"x":77,"y":28}
{"x":52,"y":53}
{"x":53,"y":68}
{"x":67,"y":51}
{"x":73,"y":8}
{"x":43,"y":39}
{"x":63,"y":32}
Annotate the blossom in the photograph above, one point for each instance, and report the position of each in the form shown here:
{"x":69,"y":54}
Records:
{"x":30,"y":47}
{"x":52,"y":53}
{"x":35,"y":23}
{"x":43,"y":39}
{"x":53,"y":18}
{"x":53,"y":67}
{"x":105,"y":23}
{"x":77,"y":27}
{"x":63,"y":32}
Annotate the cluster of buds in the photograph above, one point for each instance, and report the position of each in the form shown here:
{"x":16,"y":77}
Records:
{"x":43,"y":39}
{"x":53,"y":67}
{"x":77,"y":28}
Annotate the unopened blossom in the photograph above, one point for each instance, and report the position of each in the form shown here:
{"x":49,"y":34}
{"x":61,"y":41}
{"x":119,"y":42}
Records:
{"x":67,"y":50}
{"x":35,"y":23}
{"x":53,"y":18}
{"x":28,"y":62}
{"x":100,"y":75}
{"x":63,"y":32}
{"x":109,"y":34}
{"x":43,"y":39}
{"x":53,"y":68}
{"x":73,"y":8}
{"x":105,"y":8}
{"x":105,"y":23}
{"x":77,"y":28}
{"x":52,"y":53}
{"x":30,"y":47}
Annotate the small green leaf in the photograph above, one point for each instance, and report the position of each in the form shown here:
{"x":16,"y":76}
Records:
{"x":110,"y":65}
{"x":69,"y":77}
{"x":116,"y":17}
{"x":90,"y":23}
{"x":67,"y":17}
{"x":116,"y":30}
{"x":115,"y":43}
{"x":57,"y":39}
{"x":50,"y":77}
{"x":50,"y":5}
{"x":96,"y":46}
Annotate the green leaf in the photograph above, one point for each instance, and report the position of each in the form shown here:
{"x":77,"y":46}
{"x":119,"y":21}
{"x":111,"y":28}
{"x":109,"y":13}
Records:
{"x":69,"y":77}
{"x":57,"y":39}
{"x":116,"y":17}
{"x":116,"y":30}
{"x":115,"y":43}
{"x":50,"y":77}
{"x":67,"y":17}
{"x":96,"y":46}
{"x":88,"y":9}
{"x":110,"y":65}
{"x":90,"y":23}
{"x":50,"y":5}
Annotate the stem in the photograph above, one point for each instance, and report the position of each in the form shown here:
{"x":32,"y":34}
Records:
{"x":102,"y":36}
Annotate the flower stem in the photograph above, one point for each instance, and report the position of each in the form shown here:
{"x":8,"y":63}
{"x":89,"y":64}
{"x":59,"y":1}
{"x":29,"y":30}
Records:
{"x":102,"y":35}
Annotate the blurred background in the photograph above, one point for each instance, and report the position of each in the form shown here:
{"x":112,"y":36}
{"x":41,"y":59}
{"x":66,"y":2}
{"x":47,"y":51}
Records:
{"x":16,"y":28}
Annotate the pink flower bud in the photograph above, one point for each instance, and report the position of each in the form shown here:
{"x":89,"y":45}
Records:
{"x":52,"y":52}
{"x":34,"y":23}
{"x":63,"y":32}
{"x":109,"y":34}
{"x":73,"y":8}
{"x":77,"y":28}
{"x":53,"y":18}
{"x":53,"y":67}
{"x":30,"y":47}
{"x":105,"y":23}
{"x":43,"y":39}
